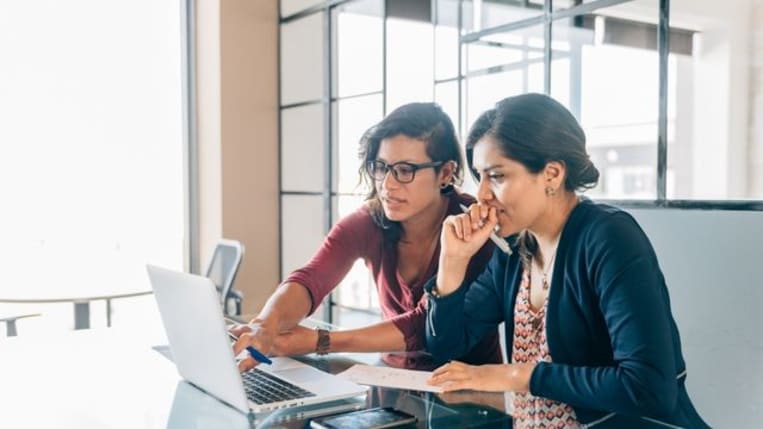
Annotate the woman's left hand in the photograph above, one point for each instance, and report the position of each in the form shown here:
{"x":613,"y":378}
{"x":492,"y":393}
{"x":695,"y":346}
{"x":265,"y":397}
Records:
{"x":456,"y":375}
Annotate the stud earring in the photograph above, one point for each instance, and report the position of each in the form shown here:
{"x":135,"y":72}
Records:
{"x":550,"y":191}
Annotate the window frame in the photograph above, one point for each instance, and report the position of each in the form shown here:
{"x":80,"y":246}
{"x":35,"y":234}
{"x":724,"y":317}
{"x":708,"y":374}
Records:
{"x":547,"y":19}
{"x":327,"y":101}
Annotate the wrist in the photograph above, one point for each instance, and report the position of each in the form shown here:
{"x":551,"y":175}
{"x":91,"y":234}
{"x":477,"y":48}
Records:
{"x":520,"y":375}
{"x":455,"y":261}
{"x":342,"y":341}
{"x":323,"y":341}
{"x":450,"y":275}
{"x":438,"y":292}
{"x":266,"y":324}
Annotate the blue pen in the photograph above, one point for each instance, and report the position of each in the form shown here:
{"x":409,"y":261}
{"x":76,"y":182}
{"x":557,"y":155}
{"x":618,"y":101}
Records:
{"x":256,"y":354}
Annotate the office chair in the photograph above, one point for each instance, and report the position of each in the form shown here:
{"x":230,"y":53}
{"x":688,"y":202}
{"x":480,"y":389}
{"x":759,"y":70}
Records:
{"x":10,"y":323}
{"x":222,"y":270}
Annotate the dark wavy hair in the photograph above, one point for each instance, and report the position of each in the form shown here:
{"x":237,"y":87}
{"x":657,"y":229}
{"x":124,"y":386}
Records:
{"x":534,"y":129}
{"x":421,"y":121}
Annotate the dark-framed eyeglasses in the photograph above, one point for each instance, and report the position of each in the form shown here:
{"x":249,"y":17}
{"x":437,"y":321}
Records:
{"x":403,"y":171}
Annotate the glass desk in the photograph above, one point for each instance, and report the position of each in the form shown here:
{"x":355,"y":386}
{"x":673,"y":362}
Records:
{"x":191,"y":406}
{"x":111,"y":378}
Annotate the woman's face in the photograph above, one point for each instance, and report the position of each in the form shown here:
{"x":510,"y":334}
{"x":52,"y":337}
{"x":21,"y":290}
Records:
{"x":518,"y":195}
{"x":404,"y":201}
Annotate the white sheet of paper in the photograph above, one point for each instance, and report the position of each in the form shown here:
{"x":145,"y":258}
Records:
{"x":390,"y":377}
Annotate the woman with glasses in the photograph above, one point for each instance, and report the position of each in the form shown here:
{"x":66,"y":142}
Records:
{"x":589,"y":328}
{"x":411,"y":164}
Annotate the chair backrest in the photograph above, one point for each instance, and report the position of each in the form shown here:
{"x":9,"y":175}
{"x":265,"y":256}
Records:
{"x":222,"y":270}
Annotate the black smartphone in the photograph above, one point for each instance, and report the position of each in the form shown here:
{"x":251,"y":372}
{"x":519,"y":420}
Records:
{"x":374,"y":418}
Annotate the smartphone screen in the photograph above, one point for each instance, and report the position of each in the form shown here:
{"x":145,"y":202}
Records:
{"x":376,"y":418}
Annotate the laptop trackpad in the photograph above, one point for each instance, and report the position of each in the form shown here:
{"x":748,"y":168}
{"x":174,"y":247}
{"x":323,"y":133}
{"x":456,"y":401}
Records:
{"x":301,"y":375}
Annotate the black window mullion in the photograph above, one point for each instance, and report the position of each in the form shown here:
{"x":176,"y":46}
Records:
{"x":663,"y":48}
{"x":327,"y":135}
{"x":462,"y":128}
{"x":384,"y":57}
{"x":547,"y":53}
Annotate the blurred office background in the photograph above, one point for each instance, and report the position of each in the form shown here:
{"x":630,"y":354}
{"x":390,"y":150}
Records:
{"x":143,"y":131}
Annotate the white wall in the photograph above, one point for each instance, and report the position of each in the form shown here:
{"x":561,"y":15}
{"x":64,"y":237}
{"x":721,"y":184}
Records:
{"x":711,"y":261}
{"x":755,"y":173}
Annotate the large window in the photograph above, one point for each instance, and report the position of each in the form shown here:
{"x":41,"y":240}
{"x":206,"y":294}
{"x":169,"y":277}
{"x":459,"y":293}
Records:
{"x":366,"y":57}
{"x":91,"y":153}
{"x":605,"y":69}
{"x":666,"y":96}
{"x":329,"y":97}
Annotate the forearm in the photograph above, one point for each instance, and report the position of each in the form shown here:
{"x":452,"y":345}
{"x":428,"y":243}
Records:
{"x":450,"y":274}
{"x":457,"y":321}
{"x":286,"y":307}
{"x":624,"y":389}
{"x":381,"y":337}
{"x":446,"y":335}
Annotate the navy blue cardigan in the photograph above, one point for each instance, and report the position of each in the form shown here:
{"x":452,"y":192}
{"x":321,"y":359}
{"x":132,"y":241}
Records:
{"x":611,"y":335}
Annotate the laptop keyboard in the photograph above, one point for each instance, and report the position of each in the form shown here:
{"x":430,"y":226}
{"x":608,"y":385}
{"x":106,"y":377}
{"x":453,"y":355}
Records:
{"x":264,"y":388}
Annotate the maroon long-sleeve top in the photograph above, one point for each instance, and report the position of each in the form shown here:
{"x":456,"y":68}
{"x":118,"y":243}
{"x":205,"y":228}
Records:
{"x":357,"y":236}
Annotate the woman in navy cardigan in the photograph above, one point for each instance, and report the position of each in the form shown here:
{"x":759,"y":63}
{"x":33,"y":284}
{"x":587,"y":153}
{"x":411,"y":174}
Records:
{"x":589,"y":331}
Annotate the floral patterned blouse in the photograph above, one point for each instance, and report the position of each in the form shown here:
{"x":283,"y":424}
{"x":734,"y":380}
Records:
{"x":530,"y":346}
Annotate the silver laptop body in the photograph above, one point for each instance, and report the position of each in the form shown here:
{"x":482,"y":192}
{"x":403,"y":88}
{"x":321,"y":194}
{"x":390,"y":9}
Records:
{"x":193,"y":320}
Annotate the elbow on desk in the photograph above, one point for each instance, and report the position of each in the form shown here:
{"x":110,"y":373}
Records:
{"x":444,"y":347}
{"x":652,"y":395}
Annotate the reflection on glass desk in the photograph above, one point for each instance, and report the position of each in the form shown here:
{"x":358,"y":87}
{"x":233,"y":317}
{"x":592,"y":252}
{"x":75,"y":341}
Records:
{"x":450,"y":410}
{"x":114,"y":379}
{"x":191,"y":406}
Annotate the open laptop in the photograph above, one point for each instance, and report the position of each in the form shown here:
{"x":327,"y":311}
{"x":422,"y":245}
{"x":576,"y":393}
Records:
{"x":192,"y":317}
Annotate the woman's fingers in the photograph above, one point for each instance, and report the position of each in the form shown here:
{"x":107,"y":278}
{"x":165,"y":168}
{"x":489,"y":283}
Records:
{"x":479,"y":214}
{"x":474,"y":215}
{"x":451,"y":372}
{"x":456,"y":385}
{"x":462,"y":226}
{"x":440,"y":370}
{"x":483,"y":219}
{"x":250,"y":339}
{"x":466,"y":226}
{"x":446,"y":367}
{"x":440,"y":377}
{"x":246,"y":364}
{"x":453,"y":222}
{"x":492,"y":217}
{"x":238,"y":330}
{"x":451,"y":377}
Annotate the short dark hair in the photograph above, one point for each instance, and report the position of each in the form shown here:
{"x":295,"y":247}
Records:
{"x":421,"y":121}
{"x":534,"y":129}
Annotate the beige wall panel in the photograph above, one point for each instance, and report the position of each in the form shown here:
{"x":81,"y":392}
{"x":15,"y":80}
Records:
{"x":249,"y":131}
